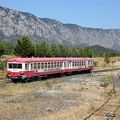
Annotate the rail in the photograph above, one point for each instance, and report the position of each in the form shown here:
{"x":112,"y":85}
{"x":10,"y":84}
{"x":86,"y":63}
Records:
{"x":4,"y":82}
{"x":109,"y":115}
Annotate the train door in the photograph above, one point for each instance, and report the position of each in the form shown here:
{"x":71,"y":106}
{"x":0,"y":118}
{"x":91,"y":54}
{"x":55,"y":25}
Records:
{"x":70,"y":64}
{"x":28,"y":68}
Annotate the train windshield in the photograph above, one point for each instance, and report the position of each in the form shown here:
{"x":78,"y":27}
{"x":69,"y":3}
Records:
{"x":14,"y":66}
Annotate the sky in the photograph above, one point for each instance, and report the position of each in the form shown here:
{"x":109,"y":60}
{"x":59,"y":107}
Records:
{"x":86,"y":13}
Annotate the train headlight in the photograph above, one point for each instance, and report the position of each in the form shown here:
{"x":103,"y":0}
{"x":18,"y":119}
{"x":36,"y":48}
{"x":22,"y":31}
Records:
{"x":21,"y":73}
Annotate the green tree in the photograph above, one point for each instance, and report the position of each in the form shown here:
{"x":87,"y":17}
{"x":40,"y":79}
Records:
{"x":63,"y":51}
{"x":106,"y":59}
{"x":85,"y":52}
{"x":75,"y":52}
{"x":55,"y":50}
{"x":9,"y":49}
{"x":24,"y":48}
{"x":2,"y":49}
{"x":43,"y":50}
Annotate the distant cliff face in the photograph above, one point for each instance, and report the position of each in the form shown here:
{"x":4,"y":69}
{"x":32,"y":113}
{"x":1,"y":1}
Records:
{"x":14,"y":24}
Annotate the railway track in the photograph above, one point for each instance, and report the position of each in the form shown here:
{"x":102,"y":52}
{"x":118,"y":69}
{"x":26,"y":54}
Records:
{"x":4,"y":82}
{"x":110,"y":109}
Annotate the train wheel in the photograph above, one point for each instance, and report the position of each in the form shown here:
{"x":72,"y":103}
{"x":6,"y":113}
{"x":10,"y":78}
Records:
{"x":25,"y":80}
{"x":37,"y":78}
{"x":14,"y":80}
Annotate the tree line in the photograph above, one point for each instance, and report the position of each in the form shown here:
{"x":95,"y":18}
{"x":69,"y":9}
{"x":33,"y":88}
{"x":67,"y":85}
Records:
{"x":25,"y":48}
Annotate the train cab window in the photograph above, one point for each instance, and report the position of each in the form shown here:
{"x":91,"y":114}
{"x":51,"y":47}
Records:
{"x":10,"y":65}
{"x":15,"y":66}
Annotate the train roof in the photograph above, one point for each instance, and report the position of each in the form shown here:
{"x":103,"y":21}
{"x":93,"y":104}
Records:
{"x":47,"y":59}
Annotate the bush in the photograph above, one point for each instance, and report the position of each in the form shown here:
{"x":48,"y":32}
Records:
{"x":105,"y":81}
{"x":95,"y":63}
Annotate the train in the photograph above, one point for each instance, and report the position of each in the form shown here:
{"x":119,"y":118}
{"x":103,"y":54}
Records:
{"x":29,"y":69}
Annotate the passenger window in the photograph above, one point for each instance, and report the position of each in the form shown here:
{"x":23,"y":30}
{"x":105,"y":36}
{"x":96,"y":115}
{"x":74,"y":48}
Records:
{"x":32,"y":67}
{"x":57,"y":64}
{"x":60,"y":64}
{"x":35,"y":66}
{"x":48,"y":65}
{"x":54,"y":64}
{"x":42,"y":65}
{"x":26,"y":66}
{"x":38,"y":65}
{"x":51,"y":64}
{"x":45,"y":65}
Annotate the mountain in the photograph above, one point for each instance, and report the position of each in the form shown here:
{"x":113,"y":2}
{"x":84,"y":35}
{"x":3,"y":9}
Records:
{"x":101,"y":51}
{"x":14,"y":24}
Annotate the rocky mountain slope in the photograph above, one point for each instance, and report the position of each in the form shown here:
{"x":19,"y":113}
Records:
{"x":14,"y":24}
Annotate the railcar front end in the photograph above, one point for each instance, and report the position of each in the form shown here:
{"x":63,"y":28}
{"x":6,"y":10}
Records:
{"x":15,"y":71}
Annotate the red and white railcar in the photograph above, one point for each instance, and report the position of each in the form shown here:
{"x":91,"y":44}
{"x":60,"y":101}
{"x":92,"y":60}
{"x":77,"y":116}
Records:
{"x":32,"y":68}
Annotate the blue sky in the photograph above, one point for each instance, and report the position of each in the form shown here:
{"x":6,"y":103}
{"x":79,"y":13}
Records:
{"x":86,"y":13}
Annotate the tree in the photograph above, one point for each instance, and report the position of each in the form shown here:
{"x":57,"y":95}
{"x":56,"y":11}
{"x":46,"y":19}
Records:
{"x":9,"y":49}
{"x":2,"y":49}
{"x":106,"y":59}
{"x":24,"y":48}
{"x":85,"y":52}
{"x":43,"y":50}
{"x":75,"y":52}
{"x":55,"y":50}
{"x":63,"y":51}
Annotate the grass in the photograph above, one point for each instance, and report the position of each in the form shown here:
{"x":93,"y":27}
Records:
{"x":2,"y":74}
{"x":99,"y":62}
{"x":106,"y":81}
{"x":21,"y":88}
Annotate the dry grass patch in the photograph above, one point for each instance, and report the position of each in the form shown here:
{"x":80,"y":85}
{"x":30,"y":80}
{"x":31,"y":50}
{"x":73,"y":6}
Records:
{"x":21,"y":88}
{"x":101,"y":64}
{"x":2,"y":74}
{"x":72,"y":113}
{"x":16,"y":110}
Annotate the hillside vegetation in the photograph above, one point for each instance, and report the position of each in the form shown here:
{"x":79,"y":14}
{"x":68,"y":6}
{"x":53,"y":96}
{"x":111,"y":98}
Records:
{"x":99,"y":51}
{"x":25,"y":47}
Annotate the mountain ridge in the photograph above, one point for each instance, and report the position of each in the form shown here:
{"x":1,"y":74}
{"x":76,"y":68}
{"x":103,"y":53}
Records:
{"x":14,"y":24}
